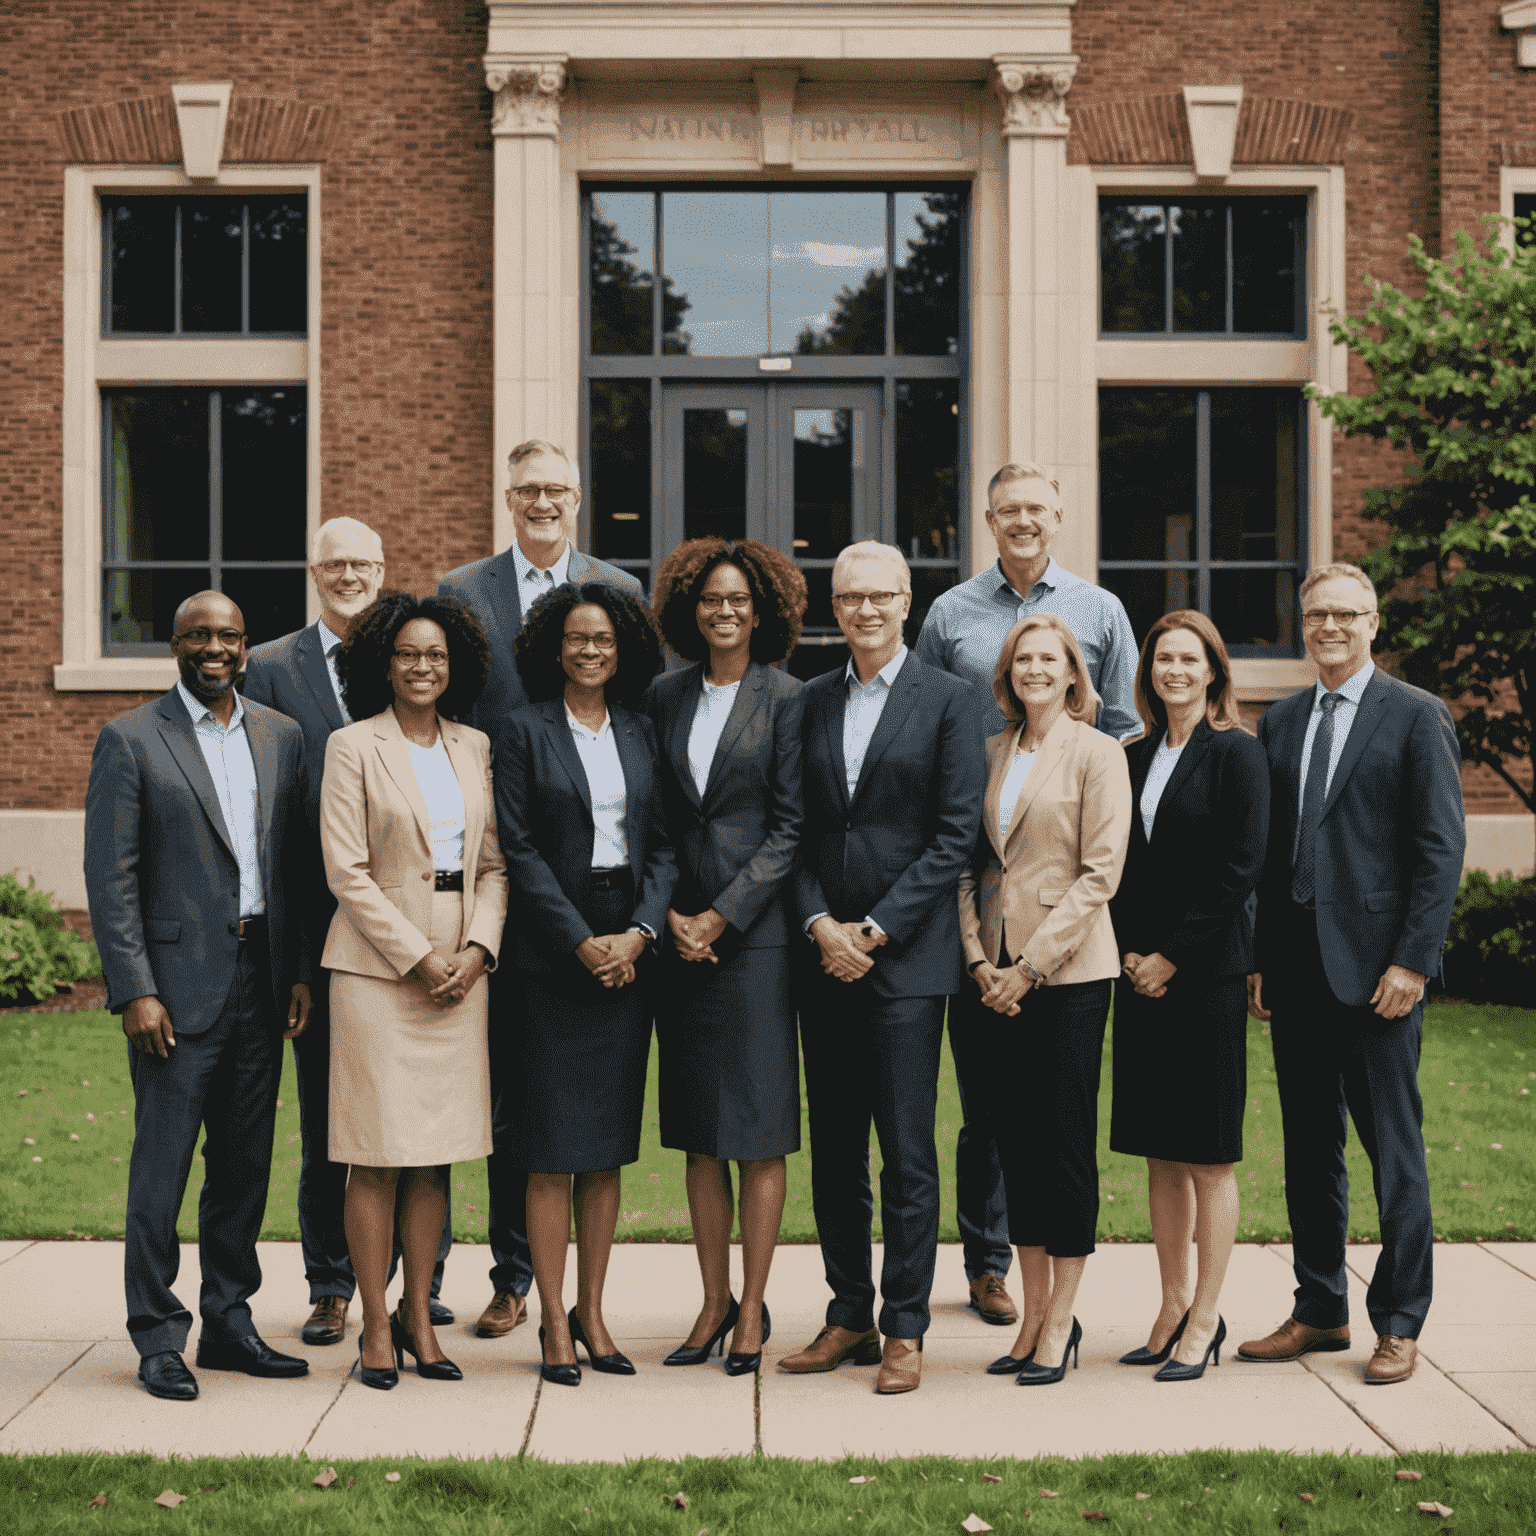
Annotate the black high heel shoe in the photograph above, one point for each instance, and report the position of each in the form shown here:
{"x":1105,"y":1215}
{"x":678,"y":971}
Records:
{"x":432,"y":1370}
{"x":559,"y":1375}
{"x":611,"y":1365}
{"x":1007,"y":1365}
{"x":1176,"y":1370}
{"x":740,"y":1365}
{"x":686,"y":1354}
{"x":384,"y":1380}
{"x":1036,"y":1375}
{"x":1144,"y":1356}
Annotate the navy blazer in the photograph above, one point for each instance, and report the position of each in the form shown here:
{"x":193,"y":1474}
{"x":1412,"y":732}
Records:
{"x":161,"y":875}
{"x":735,"y":846}
{"x":490,"y":587}
{"x":544,"y":812}
{"x":1185,"y":896}
{"x":896,"y":851}
{"x":1390,"y":845}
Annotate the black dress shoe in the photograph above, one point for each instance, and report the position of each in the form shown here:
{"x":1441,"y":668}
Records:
{"x":1007,"y":1365}
{"x":432,"y":1370}
{"x":1144,"y":1356}
{"x":439,"y":1315}
{"x":559,"y":1375}
{"x":737,"y":1364}
{"x":166,"y":1375}
{"x":686,"y":1354}
{"x":248,"y":1354}
{"x":611,"y":1365}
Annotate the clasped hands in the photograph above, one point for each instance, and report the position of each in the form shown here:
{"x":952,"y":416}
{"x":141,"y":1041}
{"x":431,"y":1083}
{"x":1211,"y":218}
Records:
{"x":1003,"y":987}
{"x":611,"y":957}
{"x":1149,"y":974}
{"x":447,"y":978}
{"x":846,"y":948}
{"x":696,"y":936}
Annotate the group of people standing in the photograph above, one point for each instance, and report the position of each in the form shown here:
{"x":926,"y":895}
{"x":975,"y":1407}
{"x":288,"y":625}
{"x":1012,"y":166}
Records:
{"x":466,"y":849}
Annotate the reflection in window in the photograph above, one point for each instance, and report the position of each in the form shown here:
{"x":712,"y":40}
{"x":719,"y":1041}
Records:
{"x":928,"y":468}
{"x":714,"y":474}
{"x":620,"y":437}
{"x":1525,"y":208}
{"x":829,"y":446}
{"x":622,"y":225}
{"x":928,"y":228}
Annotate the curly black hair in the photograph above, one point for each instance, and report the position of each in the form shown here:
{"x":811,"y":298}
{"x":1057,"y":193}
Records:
{"x":540,"y":642}
{"x":778,"y":596}
{"x":363,"y":662}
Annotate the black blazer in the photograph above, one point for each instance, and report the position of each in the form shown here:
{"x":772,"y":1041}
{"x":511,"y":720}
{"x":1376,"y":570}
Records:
{"x":896,"y":852}
{"x":1390,"y":845}
{"x":161,"y":875}
{"x":1185,"y":896}
{"x":736,"y":847}
{"x":544,"y":812}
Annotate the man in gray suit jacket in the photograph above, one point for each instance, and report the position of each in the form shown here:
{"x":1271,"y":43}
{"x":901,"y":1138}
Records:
{"x":544,"y":497}
{"x":194,"y":833}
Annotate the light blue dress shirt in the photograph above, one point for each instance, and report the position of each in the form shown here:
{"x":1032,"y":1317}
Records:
{"x":233,"y":770}
{"x":532,"y":582}
{"x":599,"y":754}
{"x":861,"y":714}
{"x":1350,"y":692}
{"x":330,"y":643}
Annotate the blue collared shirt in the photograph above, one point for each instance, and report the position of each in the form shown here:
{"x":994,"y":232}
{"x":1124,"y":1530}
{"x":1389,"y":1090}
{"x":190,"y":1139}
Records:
{"x":533,"y":581}
{"x":1350,"y":693}
{"x":330,"y":643}
{"x":233,"y":770}
{"x":861,"y":714}
{"x":966,"y":627}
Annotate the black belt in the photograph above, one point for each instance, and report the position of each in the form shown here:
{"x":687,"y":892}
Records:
{"x":611,"y":879}
{"x":449,"y":880}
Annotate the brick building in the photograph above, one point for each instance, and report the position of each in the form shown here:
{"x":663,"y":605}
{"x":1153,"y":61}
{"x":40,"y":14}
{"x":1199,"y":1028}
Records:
{"x":805,"y":271}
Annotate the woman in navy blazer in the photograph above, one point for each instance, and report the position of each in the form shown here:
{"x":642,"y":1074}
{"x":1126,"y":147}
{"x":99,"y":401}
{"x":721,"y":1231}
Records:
{"x":729,"y":733}
{"x":590,"y":875}
{"x":1200,"y":783}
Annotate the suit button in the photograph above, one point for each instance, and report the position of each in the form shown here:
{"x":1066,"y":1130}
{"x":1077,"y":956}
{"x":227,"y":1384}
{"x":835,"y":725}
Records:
{"x":848,"y":826}
{"x":427,"y":875}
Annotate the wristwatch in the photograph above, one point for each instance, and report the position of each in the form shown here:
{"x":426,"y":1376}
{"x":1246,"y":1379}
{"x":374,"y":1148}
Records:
{"x":1029,"y":970}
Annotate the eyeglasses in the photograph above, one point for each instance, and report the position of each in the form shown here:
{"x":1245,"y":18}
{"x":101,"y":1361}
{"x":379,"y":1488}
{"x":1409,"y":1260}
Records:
{"x":576,"y":641}
{"x":714,"y":601}
{"x":200,"y":638}
{"x":851,"y":602}
{"x":529,"y":494}
{"x":364,"y":568}
{"x":1315,"y":618}
{"x":410,"y":660}
{"x":1013,"y":512}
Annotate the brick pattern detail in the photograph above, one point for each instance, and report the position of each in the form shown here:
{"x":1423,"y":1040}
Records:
{"x":1280,"y":131}
{"x":1153,"y":130}
{"x":1521,"y":152}
{"x":143,"y":131}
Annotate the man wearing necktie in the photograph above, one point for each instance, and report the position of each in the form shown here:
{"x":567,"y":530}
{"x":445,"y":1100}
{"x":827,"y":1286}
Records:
{"x":1366,"y":842}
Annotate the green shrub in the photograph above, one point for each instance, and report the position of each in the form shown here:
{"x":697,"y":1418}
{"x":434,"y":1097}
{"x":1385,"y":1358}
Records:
{"x":1490,"y":951}
{"x":36,"y":949}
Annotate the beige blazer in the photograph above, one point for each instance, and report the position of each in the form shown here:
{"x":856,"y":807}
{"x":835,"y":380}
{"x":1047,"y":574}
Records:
{"x":375,"y":837}
{"x":1048,"y":886}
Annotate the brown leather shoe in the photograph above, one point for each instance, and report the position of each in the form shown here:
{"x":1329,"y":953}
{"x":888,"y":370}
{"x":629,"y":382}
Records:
{"x":989,"y":1296}
{"x":1291,"y":1340}
{"x":901,"y":1365}
{"x":327,"y":1323}
{"x":1394,"y":1360}
{"x":506,"y":1310}
{"x":830,"y":1348}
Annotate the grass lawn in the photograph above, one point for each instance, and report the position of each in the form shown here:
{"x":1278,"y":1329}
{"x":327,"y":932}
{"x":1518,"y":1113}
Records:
{"x":1204,"y":1492}
{"x":71,"y":1178}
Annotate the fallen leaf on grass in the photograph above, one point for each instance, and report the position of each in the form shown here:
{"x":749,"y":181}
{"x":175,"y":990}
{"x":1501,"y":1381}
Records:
{"x":1049,"y":1493}
{"x":1405,"y":1476}
{"x":351,"y":1483}
{"x":857,"y":1480}
{"x":1095,"y":1514}
{"x":987,"y":1477}
{"x":1306,"y":1498}
{"x":98,"y":1501}
{"x":170,"y":1499}
{"x":1143,"y":1495}
{"x":1435,"y":1509}
{"x":391,"y":1477}
{"x":678,"y":1500}
{"x":326,"y":1478}
{"x":924,"y":1476}
{"x":974,"y":1524}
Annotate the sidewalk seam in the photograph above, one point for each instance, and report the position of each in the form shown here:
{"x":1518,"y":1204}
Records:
{"x":757,"y":1411}
{"x":1480,"y":1403}
{"x":304,"y":1449}
{"x":538,"y":1392}
{"x":50,"y":1382}
{"x":1493,"y":1250}
{"x":1375,"y":1429}
{"x":31,"y":1243}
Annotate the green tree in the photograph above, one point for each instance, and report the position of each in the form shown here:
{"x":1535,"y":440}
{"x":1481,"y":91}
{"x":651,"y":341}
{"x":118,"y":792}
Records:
{"x":1455,"y":375}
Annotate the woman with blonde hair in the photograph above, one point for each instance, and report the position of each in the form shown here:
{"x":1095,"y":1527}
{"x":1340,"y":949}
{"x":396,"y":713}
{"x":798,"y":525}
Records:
{"x":1201,"y":784}
{"x":1034,"y":919}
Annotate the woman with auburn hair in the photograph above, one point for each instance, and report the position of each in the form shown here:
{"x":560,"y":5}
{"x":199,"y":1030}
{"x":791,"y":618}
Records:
{"x":728,"y":729}
{"x":1034,"y":920}
{"x":1201,"y":785}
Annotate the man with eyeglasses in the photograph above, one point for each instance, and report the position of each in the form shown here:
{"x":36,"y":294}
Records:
{"x":894,"y":774}
{"x":544,"y":497}
{"x":196,"y":875}
{"x":1366,"y":842}
{"x":963,"y":633}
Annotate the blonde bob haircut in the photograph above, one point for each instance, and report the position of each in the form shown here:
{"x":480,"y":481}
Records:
{"x":1220,"y":694}
{"x":1082,"y":702}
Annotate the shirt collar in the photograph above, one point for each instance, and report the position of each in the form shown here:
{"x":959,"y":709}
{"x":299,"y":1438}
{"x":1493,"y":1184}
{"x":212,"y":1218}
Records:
{"x":329,"y":640}
{"x":524,"y":565}
{"x":200,"y":711}
{"x":886,"y":674}
{"x":1353,"y":689}
{"x":1050,"y":578}
{"x":581,"y":730}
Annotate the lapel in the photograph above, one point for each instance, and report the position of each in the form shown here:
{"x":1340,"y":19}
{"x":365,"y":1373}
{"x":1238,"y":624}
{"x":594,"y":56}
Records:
{"x":558,"y":731}
{"x":466,"y":771}
{"x":746,"y":703}
{"x":1047,"y":761}
{"x":505,"y":603}
{"x":310,"y":654}
{"x":991,"y":811}
{"x":691,"y":688}
{"x":1370,"y":712}
{"x":630,"y":740}
{"x":833,"y":701}
{"x":266,"y":759}
{"x":1195,"y":748}
{"x":389,"y":740}
{"x":1288,"y":749}
{"x":176,"y":729}
{"x":579,"y":569}
{"x":900,"y":704}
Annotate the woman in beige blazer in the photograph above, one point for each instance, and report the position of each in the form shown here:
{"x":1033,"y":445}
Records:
{"x":408,"y":832}
{"x":1034,"y":919}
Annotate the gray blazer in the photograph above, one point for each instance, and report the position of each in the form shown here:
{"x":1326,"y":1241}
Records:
{"x":160,"y":871}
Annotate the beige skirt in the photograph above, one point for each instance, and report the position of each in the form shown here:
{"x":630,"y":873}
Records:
{"x":410,"y":1082}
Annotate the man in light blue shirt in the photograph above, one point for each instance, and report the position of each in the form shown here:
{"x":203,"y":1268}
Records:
{"x":228,"y":754}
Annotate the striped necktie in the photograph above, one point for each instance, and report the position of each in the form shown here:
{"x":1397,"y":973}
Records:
{"x":1313,"y":797}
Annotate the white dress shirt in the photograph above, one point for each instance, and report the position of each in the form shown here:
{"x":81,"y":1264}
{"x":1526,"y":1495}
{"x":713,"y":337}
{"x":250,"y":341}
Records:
{"x":708,"y":724}
{"x":599,"y":754}
{"x":330,"y":643}
{"x":1344,"y":712}
{"x":532,"y":582}
{"x":233,"y":770}
{"x":1008,"y":797}
{"x":1164,"y":761}
{"x":861,"y":714}
{"x":439,"y":787}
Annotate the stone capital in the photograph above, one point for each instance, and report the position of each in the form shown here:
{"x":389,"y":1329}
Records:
{"x":527,"y":94}
{"x":1033,"y":90}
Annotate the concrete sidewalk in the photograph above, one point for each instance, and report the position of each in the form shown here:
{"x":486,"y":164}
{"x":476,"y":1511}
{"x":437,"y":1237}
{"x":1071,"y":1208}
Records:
{"x":67,"y":1371}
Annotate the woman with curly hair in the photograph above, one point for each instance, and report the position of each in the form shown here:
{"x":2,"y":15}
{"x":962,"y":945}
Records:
{"x":592,"y":872}
{"x":408,"y":833}
{"x":728,"y":728}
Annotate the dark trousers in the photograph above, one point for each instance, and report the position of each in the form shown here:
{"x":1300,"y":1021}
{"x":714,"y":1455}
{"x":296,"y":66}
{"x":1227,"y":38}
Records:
{"x":870,"y":1060}
{"x":512,"y":1265}
{"x":981,"y":1204}
{"x":223,"y":1081}
{"x":1334,"y":1063}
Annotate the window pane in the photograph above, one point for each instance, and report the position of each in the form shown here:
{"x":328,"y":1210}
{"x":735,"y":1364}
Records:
{"x":1264,"y":247}
{"x":141,"y":235}
{"x":927,"y":583}
{"x":621,"y":469}
{"x":1525,"y":207}
{"x":271,"y":602}
{"x":824,"y":463}
{"x":621,"y":266}
{"x":211,"y":242}
{"x":157,"y":475}
{"x":1148,"y":595}
{"x":279,"y":263}
{"x":1147,"y":474}
{"x":827,"y":272}
{"x":1132,"y":268}
{"x":263,"y":433}
{"x":928,"y":226}
{"x":141,"y":605}
{"x":1255,"y":607}
{"x":717,"y":261}
{"x":928,"y":468}
{"x":715,"y":474}
{"x":1254,"y":474}
{"x":1199,"y":266}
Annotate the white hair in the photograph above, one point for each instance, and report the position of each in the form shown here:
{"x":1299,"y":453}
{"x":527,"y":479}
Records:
{"x":342,"y":525}
{"x":873,"y":547}
{"x":1339,"y":570}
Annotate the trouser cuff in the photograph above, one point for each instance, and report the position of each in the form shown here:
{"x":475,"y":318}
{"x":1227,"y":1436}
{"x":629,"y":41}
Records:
{"x":162,"y":1337}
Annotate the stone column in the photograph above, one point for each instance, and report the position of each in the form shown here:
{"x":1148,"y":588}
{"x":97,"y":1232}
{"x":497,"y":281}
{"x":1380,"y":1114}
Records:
{"x":532,"y":372}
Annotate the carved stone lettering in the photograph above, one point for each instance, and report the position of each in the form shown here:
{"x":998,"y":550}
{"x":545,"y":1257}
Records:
{"x":867,"y":130}
{"x":665,"y":128}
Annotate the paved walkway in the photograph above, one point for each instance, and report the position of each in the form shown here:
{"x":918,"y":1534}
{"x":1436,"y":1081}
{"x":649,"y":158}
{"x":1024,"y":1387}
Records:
{"x":67,"y":1372}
